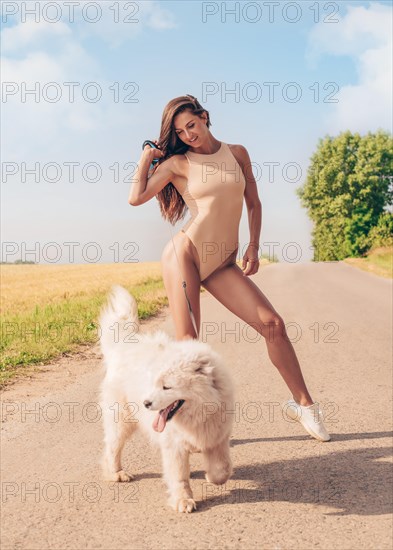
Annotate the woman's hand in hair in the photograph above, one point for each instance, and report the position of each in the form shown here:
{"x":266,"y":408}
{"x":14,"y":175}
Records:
{"x":156,"y":153}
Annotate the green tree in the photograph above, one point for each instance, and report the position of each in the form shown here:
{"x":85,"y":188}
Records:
{"x":347,"y":190}
{"x":382,"y":233}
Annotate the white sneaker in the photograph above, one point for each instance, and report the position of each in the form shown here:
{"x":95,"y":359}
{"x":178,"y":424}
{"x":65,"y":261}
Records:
{"x":310,"y":417}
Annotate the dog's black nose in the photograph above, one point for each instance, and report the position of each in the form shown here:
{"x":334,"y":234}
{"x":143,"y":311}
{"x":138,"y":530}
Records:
{"x":147,"y":404}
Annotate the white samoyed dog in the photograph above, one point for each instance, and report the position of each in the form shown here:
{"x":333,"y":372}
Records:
{"x":178,"y":391}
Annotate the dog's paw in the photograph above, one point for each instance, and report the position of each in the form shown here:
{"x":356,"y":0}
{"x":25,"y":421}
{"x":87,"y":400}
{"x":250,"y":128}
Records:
{"x":185,"y":505}
{"x":121,"y":475}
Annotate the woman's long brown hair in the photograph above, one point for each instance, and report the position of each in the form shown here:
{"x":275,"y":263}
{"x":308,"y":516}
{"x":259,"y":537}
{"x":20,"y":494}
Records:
{"x":172,"y":205}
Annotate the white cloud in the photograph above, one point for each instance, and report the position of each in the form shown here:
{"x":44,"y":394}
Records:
{"x":113,"y":23}
{"x":156,"y":16}
{"x":34,"y":125}
{"x":118,"y":27}
{"x":32,"y":35}
{"x":365,"y":35}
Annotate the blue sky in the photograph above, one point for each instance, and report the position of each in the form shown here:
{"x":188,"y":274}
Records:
{"x":342,"y":51}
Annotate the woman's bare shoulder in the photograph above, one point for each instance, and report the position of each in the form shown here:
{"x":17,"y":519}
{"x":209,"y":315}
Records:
{"x":239,"y":152}
{"x":237,"y":148}
{"x":177,"y":164}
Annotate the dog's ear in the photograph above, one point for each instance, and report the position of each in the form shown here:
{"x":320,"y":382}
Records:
{"x":203,"y":366}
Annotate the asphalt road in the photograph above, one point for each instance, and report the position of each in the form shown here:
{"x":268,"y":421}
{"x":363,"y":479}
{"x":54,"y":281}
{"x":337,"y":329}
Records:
{"x":288,"y":491}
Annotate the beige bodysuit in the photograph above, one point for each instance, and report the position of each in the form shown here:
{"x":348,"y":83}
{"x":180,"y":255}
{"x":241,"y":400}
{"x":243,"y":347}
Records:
{"x":214,"y":195}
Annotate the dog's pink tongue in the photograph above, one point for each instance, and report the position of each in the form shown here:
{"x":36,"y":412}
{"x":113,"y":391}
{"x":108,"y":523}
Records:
{"x":160,"y":420}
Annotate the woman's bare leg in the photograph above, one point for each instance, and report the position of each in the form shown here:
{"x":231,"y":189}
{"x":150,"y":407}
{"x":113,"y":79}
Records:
{"x":243,"y":298}
{"x":172,"y":275}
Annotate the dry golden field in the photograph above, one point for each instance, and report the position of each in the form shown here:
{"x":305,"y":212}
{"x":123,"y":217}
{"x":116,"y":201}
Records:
{"x":25,"y":286}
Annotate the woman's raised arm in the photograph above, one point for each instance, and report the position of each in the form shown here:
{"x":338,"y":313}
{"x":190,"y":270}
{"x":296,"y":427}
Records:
{"x":143,"y":188}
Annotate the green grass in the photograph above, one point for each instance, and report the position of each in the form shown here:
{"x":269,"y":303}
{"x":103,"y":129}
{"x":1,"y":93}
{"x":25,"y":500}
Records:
{"x":382,"y":260}
{"x":378,"y":261}
{"x":46,"y":332}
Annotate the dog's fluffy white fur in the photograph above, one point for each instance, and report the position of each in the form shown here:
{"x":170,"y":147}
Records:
{"x":147,"y":375}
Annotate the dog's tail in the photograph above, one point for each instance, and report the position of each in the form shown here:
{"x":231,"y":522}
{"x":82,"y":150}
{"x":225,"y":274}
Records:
{"x":118,"y":319}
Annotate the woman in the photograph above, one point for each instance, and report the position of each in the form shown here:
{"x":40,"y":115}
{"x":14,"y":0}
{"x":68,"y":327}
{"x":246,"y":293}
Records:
{"x":210,"y":177}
